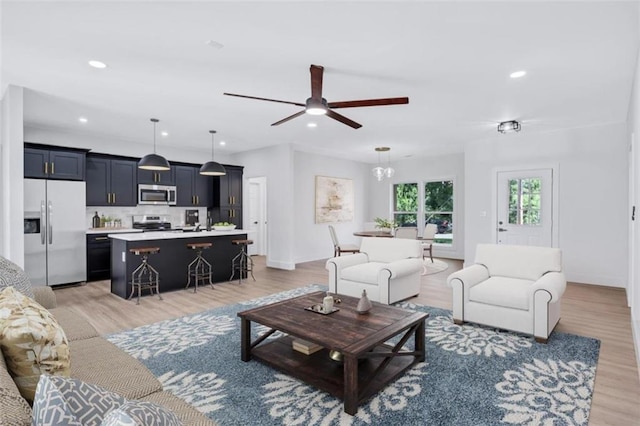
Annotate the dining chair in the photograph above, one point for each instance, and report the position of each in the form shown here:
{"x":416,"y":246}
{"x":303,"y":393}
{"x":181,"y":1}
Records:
{"x":408,"y":233}
{"x":427,"y":239}
{"x":338,"y":248}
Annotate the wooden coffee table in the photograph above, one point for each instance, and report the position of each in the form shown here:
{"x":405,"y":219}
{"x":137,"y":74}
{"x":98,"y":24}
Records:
{"x":369,"y":364}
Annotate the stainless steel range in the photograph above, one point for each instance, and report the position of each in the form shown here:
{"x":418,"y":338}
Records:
{"x":151,"y":223}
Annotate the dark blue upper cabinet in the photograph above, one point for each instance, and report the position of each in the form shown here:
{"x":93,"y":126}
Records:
{"x":47,"y":163}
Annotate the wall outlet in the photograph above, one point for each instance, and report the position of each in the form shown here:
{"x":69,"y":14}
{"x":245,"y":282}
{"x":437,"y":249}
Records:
{"x":124,"y":257}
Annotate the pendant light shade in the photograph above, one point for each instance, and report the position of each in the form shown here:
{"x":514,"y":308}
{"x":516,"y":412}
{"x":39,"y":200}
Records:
{"x":154,"y":161}
{"x":211,"y":168}
{"x":380,"y":172}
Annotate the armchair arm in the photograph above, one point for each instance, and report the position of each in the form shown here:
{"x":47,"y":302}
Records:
{"x":404,"y":267}
{"x":461,"y":281}
{"x":44,"y":295}
{"x":469,"y":276}
{"x":553,"y":282}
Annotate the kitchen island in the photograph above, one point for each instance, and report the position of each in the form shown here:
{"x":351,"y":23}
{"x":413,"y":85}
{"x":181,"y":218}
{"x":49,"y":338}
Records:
{"x":174,"y":256}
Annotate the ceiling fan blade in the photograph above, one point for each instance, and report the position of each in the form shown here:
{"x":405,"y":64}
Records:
{"x":291,"y":117}
{"x":341,"y":118}
{"x":369,"y":102}
{"x":264,"y":99}
{"x":316,"y":81}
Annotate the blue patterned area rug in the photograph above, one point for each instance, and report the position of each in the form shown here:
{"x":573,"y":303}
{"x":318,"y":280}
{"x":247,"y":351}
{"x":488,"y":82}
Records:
{"x":472,"y":375}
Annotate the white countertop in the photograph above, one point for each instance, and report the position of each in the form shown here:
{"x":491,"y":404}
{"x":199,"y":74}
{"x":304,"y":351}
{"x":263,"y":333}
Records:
{"x":150,"y":236}
{"x":111,"y":230}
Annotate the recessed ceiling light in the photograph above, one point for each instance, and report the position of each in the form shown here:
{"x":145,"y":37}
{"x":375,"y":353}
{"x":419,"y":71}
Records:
{"x":214,"y":44}
{"x":82,"y":120}
{"x":97,"y":64}
{"x":312,"y":125}
{"x":518,"y":74}
{"x":164,"y":133}
{"x":222,"y":143}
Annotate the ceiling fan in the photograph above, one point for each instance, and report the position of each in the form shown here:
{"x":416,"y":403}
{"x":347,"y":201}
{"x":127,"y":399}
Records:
{"x":317,"y":105}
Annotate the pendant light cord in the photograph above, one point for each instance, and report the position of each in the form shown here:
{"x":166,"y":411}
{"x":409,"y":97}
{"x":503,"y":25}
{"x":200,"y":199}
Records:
{"x":212,"y":143}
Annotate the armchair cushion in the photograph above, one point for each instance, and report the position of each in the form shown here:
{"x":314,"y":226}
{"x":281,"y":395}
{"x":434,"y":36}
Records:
{"x":502,"y":291}
{"x":364,"y":272}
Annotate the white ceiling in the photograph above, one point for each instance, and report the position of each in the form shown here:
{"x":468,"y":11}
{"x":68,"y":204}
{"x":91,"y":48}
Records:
{"x":451,"y":59}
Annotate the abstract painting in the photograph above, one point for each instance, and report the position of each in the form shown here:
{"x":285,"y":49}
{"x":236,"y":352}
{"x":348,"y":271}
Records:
{"x":334,"y":199}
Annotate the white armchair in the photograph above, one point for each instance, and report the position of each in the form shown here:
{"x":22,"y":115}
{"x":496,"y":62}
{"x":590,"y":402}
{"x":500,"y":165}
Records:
{"x":388,"y":268}
{"x":511,"y":287}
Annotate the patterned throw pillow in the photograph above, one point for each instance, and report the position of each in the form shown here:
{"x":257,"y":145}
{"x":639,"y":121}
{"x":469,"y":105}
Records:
{"x":31,"y":340}
{"x":64,"y":401}
{"x":11,"y":275}
{"x":141,"y":413}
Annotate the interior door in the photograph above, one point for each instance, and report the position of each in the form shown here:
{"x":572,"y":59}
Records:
{"x":525,"y":207}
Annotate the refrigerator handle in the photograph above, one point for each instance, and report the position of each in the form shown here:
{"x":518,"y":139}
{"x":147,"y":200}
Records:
{"x":49,"y":223}
{"x":42,"y":222}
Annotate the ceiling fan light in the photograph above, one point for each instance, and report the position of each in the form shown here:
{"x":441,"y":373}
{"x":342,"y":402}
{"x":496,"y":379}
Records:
{"x":509,"y":126}
{"x":211,"y":168}
{"x":153,"y":162}
{"x":316,"y":106}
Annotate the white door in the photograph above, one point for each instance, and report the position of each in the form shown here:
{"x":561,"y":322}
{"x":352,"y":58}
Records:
{"x":525,"y":207}
{"x":258,"y":216}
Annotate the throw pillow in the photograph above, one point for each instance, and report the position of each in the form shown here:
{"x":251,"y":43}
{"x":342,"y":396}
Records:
{"x":141,"y":413}
{"x":11,"y":275}
{"x":31,"y":340}
{"x":65,"y":401}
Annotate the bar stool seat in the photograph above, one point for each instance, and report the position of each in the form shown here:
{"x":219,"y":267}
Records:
{"x":242,"y":262}
{"x":145,"y":276}
{"x":199,"y":268}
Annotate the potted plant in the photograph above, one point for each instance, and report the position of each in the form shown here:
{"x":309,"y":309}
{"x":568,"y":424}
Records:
{"x":385,"y":224}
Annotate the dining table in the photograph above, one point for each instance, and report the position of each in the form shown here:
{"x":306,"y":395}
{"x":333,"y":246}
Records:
{"x":383,"y":234}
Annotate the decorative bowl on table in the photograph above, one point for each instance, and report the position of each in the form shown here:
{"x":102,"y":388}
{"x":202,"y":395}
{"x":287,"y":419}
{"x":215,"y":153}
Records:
{"x":223,"y":227}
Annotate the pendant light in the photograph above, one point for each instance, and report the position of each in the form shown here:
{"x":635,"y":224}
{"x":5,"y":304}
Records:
{"x":154,"y":161}
{"x":211,"y":168}
{"x":380,"y":172}
{"x":389,"y":171}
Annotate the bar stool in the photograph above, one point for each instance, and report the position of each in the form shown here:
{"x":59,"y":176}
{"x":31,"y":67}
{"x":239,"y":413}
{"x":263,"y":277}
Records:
{"x":199,"y":268}
{"x":147,"y":277}
{"x":242,"y":262}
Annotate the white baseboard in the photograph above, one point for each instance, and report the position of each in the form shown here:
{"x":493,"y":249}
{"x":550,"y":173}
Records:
{"x":281,"y":265}
{"x":635,"y":330}
{"x":603,"y":280}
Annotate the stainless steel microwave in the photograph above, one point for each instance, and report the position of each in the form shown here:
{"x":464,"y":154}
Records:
{"x":157,"y":195}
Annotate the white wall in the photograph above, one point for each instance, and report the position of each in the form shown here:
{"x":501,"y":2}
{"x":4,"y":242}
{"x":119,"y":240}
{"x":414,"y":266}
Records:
{"x":312,"y":240}
{"x":423,"y":170}
{"x":592,"y":195}
{"x":12,"y":172}
{"x":276,"y":164}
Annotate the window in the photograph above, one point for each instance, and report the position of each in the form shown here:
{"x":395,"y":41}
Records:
{"x":524,"y":201}
{"x":438,"y":209}
{"x":405,"y":204}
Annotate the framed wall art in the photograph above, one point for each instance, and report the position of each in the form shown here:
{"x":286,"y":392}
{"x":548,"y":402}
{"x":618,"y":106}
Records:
{"x":334,"y":199}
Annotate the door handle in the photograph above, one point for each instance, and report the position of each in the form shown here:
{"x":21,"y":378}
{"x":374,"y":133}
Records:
{"x":53,"y":168}
{"x":108,"y":198}
{"x":101,"y":238}
{"x":43,"y":230}
{"x":255,"y":223}
{"x":46,"y":168}
{"x":197,"y":200}
{"x":502,"y":230}
{"x":50,"y":223}
{"x":114,"y":198}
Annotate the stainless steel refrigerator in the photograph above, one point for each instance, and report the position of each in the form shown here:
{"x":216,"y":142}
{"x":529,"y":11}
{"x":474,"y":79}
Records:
{"x":55,"y":231}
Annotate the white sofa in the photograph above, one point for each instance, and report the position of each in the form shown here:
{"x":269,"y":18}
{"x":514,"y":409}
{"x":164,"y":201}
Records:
{"x":388,"y":268}
{"x":511,"y":287}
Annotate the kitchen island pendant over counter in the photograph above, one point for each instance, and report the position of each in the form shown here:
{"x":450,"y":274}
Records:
{"x":174,"y":257}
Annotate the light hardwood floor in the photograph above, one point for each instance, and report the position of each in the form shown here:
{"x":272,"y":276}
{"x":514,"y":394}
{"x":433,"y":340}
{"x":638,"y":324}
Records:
{"x":594,"y":311}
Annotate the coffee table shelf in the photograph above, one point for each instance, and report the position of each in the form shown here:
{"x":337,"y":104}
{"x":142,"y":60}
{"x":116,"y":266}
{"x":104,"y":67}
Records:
{"x":369,"y":362}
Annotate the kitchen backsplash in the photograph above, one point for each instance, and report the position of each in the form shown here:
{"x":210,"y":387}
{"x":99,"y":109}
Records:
{"x":174,"y":215}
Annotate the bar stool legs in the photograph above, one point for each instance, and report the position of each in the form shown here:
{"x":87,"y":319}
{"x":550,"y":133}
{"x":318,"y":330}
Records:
{"x":145,"y":276}
{"x":199,"y":268}
{"x":242,"y":262}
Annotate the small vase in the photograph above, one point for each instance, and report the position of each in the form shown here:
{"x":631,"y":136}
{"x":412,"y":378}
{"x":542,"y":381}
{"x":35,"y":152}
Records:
{"x":364,"y":304}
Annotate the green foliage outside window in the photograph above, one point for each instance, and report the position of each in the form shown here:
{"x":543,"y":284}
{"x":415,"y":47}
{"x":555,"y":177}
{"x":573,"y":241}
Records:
{"x":524,"y":201}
